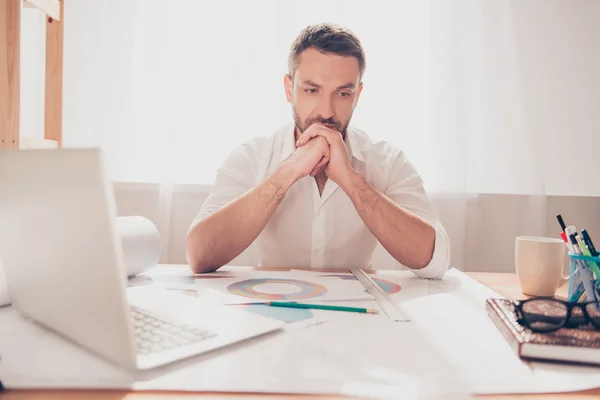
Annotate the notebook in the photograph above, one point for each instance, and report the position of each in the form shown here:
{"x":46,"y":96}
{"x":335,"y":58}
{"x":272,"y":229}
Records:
{"x":576,"y":345}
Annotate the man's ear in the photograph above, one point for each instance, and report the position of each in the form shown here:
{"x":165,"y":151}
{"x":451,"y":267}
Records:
{"x":288,"y":84}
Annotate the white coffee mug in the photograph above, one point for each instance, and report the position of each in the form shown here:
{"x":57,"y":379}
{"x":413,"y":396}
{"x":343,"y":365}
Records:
{"x":539,"y":263}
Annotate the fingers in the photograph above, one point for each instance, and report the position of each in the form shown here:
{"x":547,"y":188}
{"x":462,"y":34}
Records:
{"x":318,"y":130}
{"x":320,"y":166}
{"x":305,"y":137}
{"x":324,"y":159}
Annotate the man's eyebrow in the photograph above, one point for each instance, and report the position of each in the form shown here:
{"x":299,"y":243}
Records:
{"x":348,"y":85}
{"x":311,"y":83}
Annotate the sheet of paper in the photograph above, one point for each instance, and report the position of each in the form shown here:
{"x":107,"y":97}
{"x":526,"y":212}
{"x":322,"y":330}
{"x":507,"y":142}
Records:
{"x":359,"y":351}
{"x":288,"y":315}
{"x":244,"y":285}
{"x":181,"y":279}
{"x":457,"y":324}
{"x":168,"y":276}
{"x":399,"y":285}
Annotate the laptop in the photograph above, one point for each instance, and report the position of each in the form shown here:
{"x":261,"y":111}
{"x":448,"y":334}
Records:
{"x":64,"y":268}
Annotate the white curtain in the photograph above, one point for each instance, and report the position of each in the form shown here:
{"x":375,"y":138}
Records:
{"x":209,"y":75}
{"x":496,"y":102}
{"x":515,"y":100}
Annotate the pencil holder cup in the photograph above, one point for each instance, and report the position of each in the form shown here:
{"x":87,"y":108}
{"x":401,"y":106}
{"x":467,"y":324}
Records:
{"x":584,"y":283}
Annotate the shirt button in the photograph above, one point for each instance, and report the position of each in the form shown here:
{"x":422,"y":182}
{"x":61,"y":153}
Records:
{"x":318,"y":251}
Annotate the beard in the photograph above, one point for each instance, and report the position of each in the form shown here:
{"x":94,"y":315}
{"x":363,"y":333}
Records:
{"x":331,"y":123}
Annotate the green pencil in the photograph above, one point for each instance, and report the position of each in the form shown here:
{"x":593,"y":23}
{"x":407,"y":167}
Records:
{"x":321,"y":307}
{"x":586,"y":252}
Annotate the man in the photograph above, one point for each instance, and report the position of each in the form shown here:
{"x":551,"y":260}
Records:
{"x":319,"y":193}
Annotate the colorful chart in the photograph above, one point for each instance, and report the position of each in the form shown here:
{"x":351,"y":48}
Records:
{"x":306,"y":290}
{"x":385,"y":285}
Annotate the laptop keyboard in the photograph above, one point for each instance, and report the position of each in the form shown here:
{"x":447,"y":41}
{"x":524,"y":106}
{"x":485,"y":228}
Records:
{"x":153,"y":335}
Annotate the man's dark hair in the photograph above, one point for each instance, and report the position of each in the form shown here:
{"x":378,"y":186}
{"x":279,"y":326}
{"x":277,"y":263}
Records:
{"x":327,"y":38}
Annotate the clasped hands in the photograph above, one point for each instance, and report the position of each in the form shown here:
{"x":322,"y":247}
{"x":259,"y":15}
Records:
{"x":321,"y":148}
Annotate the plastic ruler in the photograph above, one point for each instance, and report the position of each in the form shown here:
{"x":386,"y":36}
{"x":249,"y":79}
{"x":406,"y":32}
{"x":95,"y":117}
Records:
{"x":385,"y":302}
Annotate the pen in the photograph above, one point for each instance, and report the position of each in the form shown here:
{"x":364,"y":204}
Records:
{"x":564,"y":236}
{"x":569,"y":230}
{"x":588,"y":241}
{"x":321,"y":307}
{"x":586,"y":252}
{"x":563,"y":233}
{"x":576,"y":294}
{"x":586,"y":277}
{"x":561,"y":222}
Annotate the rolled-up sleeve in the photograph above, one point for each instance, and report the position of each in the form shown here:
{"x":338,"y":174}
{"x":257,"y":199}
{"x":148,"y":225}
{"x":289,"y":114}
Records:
{"x":234,"y":177}
{"x":405,"y":188}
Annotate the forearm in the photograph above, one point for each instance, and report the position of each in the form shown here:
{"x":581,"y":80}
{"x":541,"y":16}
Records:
{"x":223,"y":235}
{"x":409,"y":239}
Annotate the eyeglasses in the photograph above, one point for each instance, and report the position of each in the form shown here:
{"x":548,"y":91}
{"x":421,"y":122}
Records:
{"x":547,"y":315}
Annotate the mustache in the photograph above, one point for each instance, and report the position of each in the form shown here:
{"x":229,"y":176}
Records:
{"x":329,"y":121}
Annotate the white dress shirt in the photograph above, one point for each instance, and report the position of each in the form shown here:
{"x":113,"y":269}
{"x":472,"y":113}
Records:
{"x":325,"y":231}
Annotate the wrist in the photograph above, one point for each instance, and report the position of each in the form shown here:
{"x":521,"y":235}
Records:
{"x":284,"y":177}
{"x":349,"y":180}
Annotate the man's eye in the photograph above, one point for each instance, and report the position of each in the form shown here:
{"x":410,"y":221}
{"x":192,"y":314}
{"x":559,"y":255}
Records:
{"x":310,"y":90}
{"x":344,"y":94}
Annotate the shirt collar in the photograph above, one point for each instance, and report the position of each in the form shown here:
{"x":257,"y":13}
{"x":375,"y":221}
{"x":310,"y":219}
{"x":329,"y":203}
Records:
{"x":352,"y":145}
{"x":289,"y":143}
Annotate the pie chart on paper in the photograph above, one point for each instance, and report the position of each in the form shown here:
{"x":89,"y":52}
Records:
{"x":277,"y":289}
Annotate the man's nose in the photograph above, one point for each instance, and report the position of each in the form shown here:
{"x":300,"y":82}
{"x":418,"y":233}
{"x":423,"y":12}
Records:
{"x":326,"y":108}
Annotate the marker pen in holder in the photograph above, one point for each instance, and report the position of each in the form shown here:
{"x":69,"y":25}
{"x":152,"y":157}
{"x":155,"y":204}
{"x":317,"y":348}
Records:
{"x":588,"y":242}
{"x":584,"y":270}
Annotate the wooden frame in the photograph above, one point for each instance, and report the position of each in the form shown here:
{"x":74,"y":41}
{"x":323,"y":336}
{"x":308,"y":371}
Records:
{"x":10,"y":46}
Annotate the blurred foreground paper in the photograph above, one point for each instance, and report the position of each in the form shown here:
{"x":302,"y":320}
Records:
{"x":141,"y":243}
